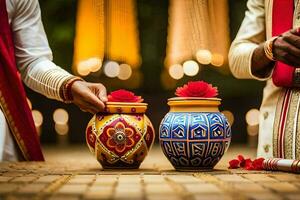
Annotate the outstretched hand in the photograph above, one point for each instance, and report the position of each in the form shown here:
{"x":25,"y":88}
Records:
{"x":89,"y":97}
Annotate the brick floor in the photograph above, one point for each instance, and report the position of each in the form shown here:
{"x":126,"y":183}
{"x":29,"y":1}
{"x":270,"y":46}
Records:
{"x":64,"y":177}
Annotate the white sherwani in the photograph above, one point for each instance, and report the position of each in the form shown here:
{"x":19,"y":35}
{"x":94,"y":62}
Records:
{"x":33,"y":57}
{"x":255,"y":29}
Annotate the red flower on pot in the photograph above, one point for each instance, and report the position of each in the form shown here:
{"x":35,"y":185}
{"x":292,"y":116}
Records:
{"x":197,"y":89}
{"x":124,"y":96}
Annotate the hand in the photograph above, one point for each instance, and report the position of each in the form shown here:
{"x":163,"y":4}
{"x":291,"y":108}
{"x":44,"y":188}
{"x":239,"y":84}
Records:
{"x":286,"y":48}
{"x":89,"y":97}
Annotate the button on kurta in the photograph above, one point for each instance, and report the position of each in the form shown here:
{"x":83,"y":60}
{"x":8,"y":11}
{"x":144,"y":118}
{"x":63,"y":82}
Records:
{"x":266,"y":114}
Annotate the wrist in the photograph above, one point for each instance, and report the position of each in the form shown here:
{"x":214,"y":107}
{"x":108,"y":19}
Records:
{"x":66,"y":89}
{"x":261,"y":66}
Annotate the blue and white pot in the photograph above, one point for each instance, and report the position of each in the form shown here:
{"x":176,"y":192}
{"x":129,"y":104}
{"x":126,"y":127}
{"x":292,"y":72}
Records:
{"x":194,"y":135}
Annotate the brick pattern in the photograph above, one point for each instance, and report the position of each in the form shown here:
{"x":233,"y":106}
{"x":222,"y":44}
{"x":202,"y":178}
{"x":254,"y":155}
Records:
{"x":64,"y":181}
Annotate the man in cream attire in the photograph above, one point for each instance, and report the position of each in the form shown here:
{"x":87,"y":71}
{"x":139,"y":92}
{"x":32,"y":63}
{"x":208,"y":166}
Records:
{"x":33,"y":60}
{"x":253,"y":54}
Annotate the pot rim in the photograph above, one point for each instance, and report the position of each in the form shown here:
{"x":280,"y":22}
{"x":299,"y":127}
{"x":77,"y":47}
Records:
{"x":194,"y":104}
{"x":125,"y":107}
{"x":193,"y":98}
{"x":125,"y":104}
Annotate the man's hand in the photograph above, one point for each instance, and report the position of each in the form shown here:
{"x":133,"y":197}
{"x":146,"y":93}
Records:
{"x":286,"y":48}
{"x":89,"y":97}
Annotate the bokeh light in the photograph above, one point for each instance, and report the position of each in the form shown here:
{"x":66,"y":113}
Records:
{"x":217,"y":60}
{"x":176,"y":71}
{"x":62,"y":129}
{"x":124,"y":72}
{"x":190,"y":68}
{"x":203,"y":56}
{"x":60,"y":116}
{"x":37,"y":117}
{"x":95,"y":64}
{"x":252,"y":130}
{"x":229,"y":115}
{"x":252,"y":117}
{"x":111,"y":69}
{"x":83,"y":70}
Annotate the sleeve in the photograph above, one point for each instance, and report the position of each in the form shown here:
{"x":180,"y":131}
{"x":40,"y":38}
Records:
{"x":251,"y":33}
{"x":32,"y":51}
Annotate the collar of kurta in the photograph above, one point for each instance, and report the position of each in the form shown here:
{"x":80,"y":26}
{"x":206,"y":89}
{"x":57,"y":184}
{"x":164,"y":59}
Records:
{"x":12,"y":95}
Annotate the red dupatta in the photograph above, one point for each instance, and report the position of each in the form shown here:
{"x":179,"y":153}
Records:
{"x":282,"y":21}
{"x":286,"y":134}
{"x":13,"y":97}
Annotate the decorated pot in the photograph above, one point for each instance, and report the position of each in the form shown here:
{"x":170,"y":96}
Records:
{"x":122,"y":136}
{"x":194,"y":135}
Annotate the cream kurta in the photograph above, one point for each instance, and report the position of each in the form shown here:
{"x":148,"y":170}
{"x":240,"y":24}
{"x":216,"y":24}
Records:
{"x":33,"y":57}
{"x":255,"y":29}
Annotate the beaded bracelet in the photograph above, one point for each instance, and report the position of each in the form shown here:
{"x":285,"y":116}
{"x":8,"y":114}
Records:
{"x":66,"y":92}
{"x":268,"y":48}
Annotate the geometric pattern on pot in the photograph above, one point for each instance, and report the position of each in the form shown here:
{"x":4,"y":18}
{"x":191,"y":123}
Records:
{"x":195,"y":126}
{"x":194,"y":139}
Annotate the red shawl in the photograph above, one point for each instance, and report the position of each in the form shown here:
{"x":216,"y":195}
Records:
{"x":13,"y":97}
{"x":282,"y":21}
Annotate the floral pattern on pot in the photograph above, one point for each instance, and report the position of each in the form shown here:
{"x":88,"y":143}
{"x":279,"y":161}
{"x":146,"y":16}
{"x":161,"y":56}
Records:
{"x":119,"y":137}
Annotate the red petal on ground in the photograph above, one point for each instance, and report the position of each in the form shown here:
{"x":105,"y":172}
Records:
{"x":242,"y":160}
{"x":258,"y":163}
{"x":234,"y":164}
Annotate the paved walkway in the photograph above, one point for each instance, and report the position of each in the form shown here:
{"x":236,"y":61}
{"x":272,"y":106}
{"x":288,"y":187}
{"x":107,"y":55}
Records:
{"x":72,"y":173}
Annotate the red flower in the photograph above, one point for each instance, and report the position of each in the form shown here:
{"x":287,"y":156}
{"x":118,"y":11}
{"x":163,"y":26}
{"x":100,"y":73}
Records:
{"x":242,"y":160}
{"x":234,"y":164}
{"x":124,"y":96}
{"x":247,"y":164}
{"x":197,"y":89}
{"x":258,"y":163}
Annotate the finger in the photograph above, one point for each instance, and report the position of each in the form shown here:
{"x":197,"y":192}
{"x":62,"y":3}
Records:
{"x":290,"y":48}
{"x":86,"y":107}
{"x":295,"y":31}
{"x":93,"y":107}
{"x":93,"y":100}
{"x":290,"y":60}
{"x":292,"y":39}
{"x":103,"y":95}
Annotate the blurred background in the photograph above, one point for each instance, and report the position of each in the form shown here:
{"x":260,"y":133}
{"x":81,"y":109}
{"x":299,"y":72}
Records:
{"x":150,"y":47}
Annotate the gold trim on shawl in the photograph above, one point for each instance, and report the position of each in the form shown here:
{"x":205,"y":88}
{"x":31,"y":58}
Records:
{"x":13,"y":127}
{"x":290,"y":125}
{"x":277,"y":122}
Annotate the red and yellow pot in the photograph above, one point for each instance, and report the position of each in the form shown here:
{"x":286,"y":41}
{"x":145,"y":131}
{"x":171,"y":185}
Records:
{"x":122,"y":136}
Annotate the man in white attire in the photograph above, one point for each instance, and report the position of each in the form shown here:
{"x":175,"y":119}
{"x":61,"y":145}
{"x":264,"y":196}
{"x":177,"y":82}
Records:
{"x":24,"y":49}
{"x":267,"y":48}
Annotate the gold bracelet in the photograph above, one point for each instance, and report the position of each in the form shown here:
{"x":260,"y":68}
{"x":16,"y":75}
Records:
{"x":268,"y":48}
{"x":65,"y":90}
